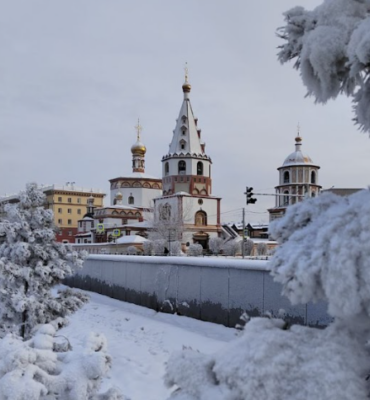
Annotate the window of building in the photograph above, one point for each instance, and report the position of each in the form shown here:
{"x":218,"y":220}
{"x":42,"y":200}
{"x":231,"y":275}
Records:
{"x":131,"y":199}
{"x":59,"y":199}
{"x":166,"y":168}
{"x":69,"y":222}
{"x":79,"y":200}
{"x":201,"y":218}
{"x":69,"y":200}
{"x":313,"y":194}
{"x":286,"y":198}
{"x":60,"y":211}
{"x":69,"y":210}
{"x":199,"y":168}
{"x":313,"y":177}
{"x":182,"y":146}
{"x":286,"y":177}
{"x":182,"y":167}
{"x":79,"y":211}
{"x":69,"y":233}
{"x":60,"y":221}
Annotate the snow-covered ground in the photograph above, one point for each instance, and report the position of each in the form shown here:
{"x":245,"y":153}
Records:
{"x":140,"y":342}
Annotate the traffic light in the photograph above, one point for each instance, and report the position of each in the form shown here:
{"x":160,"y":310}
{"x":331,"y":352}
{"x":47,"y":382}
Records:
{"x":249,"y":193}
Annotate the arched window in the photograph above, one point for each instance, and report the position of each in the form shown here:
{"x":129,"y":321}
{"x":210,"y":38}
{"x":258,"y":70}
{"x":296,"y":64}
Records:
{"x":286,"y":177}
{"x":131,"y":199}
{"x":166,"y":168}
{"x":313,"y":177}
{"x":182,"y":167}
{"x":200,"y":218}
{"x":313,"y":194}
{"x":286,"y":198}
{"x":199,"y":168}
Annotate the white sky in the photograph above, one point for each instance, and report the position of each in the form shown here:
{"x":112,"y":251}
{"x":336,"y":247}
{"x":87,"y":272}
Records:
{"x":76,"y":74}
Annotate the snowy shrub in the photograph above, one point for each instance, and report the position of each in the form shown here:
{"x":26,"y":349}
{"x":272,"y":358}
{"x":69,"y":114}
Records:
{"x":31,"y":263}
{"x":175,"y":248}
{"x":262,"y":249}
{"x":269,"y":362}
{"x":248,"y":247}
{"x":323,"y":254}
{"x":331,"y":49}
{"x":158,"y":247}
{"x":148,"y":248}
{"x":34,"y":370}
{"x":195,"y":250}
{"x":131,"y":250}
{"x":232,"y":247}
{"x":215,"y":244}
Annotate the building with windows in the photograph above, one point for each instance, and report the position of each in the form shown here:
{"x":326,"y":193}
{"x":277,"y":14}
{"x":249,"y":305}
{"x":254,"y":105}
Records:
{"x":69,"y":205}
{"x":298,"y":178}
{"x":187,"y":182}
{"x":138,"y":189}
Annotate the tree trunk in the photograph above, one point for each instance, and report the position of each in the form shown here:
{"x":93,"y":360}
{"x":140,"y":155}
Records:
{"x":24,"y":313}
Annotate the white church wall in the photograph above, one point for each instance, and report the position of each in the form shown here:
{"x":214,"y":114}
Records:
{"x":143,"y":197}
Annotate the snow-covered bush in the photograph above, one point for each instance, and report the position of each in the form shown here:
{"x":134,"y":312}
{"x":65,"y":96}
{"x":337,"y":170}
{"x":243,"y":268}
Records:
{"x":232,"y":247}
{"x":323,"y":254}
{"x":270,"y":361}
{"x":35,"y":370}
{"x":148,"y":248}
{"x":131,"y":250}
{"x":195,"y":250}
{"x":248,"y":247}
{"x":331,"y":49}
{"x":215,"y":245}
{"x":159,"y":246}
{"x":175,"y":248}
{"x":261,"y":249}
{"x":31,"y":263}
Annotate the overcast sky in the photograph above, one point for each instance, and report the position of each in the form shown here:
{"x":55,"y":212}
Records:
{"x":76,"y":74}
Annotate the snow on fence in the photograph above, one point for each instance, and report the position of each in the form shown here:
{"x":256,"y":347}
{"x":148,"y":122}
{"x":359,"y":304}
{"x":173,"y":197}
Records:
{"x":209,"y":289}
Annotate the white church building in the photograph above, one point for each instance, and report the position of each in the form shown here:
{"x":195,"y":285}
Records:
{"x":187,"y":181}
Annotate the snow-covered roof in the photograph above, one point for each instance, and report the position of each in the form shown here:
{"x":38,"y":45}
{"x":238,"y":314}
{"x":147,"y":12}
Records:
{"x":83,"y":234}
{"x":297,"y":157}
{"x":131,"y":239}
{"x":142,"y":224}
{"x":137,"y":175}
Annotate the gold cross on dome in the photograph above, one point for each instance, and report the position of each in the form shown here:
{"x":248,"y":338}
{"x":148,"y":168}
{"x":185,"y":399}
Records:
{"x":138,"y":128}
{"x":298,"y":130}
{"x":186,"y":72}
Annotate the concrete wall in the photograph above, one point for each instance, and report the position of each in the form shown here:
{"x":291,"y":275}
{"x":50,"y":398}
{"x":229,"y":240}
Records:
{"x":208,"y":289}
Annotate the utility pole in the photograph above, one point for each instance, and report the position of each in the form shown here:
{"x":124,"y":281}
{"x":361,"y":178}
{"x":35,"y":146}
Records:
{"x":243,"y":244}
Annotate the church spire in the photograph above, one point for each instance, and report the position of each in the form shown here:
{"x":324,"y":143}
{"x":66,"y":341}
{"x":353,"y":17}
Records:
{"x":138,"y":151}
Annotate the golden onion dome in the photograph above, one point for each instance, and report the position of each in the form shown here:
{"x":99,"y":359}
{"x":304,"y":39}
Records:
{"x":138,"y":148}
{"x":186,"y":87}
{"x":119,"y":196}
{"x":298,"y":139}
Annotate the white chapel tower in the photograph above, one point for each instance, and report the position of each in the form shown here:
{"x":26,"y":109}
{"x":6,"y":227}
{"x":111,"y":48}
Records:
{"x":186,"y":179}
{"x":298,"y":179}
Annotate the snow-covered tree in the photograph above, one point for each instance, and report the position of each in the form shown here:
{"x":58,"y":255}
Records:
{"x":215,"y":245}
{"x":232,"y":247}
{"x":195,"y":250}
{"x":248,"y":247}
{"x":43,"y":369}
{"x":175,"y":248}
{"x":131,"y":250}
{"x":331,"y":49}
{"x":323,"y":254}
{"x":158,"y":247}
{"x":148,"y":248}
{"x":261,"y":249}
{"x":31,"y":263}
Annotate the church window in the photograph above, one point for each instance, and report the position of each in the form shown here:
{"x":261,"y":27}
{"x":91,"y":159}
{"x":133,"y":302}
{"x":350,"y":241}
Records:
{"x":114,"y":203}
{"x":199,"y":168}
{"x":201,"y":218}
{"x":166,"y":168}
{"x":182,"y":146}
{"x":286,"y":177}
{"x":313,"y":194}
{"x":182,"y":167}
{"x":286,"y":198}
{"x":131,"y":199}
{"x":313,"y":177}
